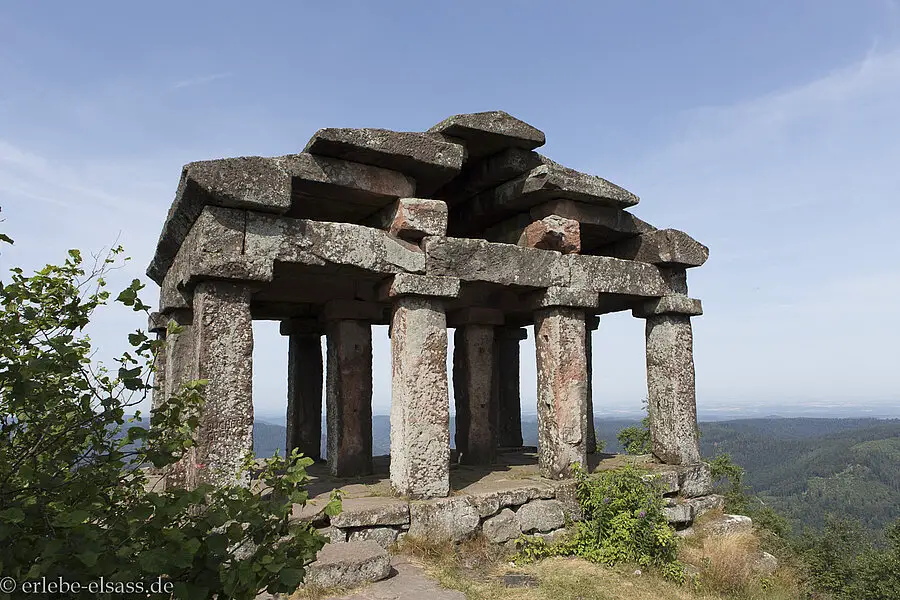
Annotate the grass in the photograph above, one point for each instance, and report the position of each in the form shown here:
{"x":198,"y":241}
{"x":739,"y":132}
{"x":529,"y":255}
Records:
{"x":724,"y":571}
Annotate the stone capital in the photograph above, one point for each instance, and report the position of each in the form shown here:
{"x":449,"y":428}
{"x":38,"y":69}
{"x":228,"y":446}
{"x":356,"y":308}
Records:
{"x":561,"y":296}
{"x":475,"y":316}
{"x":511,"y":332}
{"x":408,"y":284}
{"x":300,"y":326}
{"x":354,"y":310}
{"x":677,"y":304}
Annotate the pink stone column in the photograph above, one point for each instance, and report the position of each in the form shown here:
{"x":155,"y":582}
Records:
{"x":562,"y":390}
{"x":473,"y":351}
{"x":348,"y":397}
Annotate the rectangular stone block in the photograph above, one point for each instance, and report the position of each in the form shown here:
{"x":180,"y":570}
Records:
{"x":486,"y":133}
{"x":553,"y":233}
{"x":353,"y":309}
{"x":614,"y":276}
{"x":478,"y":260}
{"x":407,"y":284}
{"x":482,"y":174}
{"x":432,"y":161}
{"x":413,"y":218}
{"x":548,"y":181}
{"x":561,"y":296}
{"x":667,"y":247}
{"x":674,"y":304}
{"x":320,"y":243}
{"x":474,"y":315}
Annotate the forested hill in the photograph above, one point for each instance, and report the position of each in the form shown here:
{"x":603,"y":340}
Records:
{"x":802,"y":467}
{"x":806,"y":468}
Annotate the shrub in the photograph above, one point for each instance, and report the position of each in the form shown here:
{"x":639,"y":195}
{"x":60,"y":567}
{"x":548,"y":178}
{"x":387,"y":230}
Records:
{"x":623,"y":522}
{"x":74,"y":502}
{"x":636,"y":439}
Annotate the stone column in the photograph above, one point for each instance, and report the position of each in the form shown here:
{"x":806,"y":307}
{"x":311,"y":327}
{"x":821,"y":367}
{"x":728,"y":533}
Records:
{"x":223,"y":344}
{"x":559,"y":335}
{"x":592,"y":322}
{"x":157,"y":326}
{"x":420,"y":403}
{"x":472,"y":386}
{"x":507,"y":401}
{"x":180,"y":367}
{"x":304,"y":406}
{"x":348,"y":397}
{"x":670,"y":378}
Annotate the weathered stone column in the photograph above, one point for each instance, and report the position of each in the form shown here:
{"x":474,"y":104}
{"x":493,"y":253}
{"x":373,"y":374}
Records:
{"x":223,"y":332}
{"x":472,"y":385}
{"x":180,"y":367}
{"x":304,"y":406}
{"x":592,"y":322}
{"x":348,"y":397}
{"x":507,"y":401}
{"x":156,"y":325}
{"x":559,"y":335}
{"x":420,"y":403}
{"x":672,"y":399}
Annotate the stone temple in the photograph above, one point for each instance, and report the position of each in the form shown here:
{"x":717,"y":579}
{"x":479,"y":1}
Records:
{"x":462,"y":226}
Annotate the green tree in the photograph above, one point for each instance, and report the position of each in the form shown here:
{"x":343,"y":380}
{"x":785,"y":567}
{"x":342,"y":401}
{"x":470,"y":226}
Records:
{"x":636,"y":439}
{"x":74,"y":495}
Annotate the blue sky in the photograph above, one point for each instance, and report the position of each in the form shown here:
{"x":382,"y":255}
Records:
{"x":770,"y":131}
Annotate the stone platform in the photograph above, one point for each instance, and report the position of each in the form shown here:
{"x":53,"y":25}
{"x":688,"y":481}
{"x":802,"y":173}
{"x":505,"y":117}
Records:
{"x":503,"y":501}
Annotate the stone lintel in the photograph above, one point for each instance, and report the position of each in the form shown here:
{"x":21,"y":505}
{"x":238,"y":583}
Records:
{"x":675,"y":304}
{"x":353,"y":310}
{"x":475,"y":316}
{"x":666,"y":247}
{"x":561,"y":296}
{"x":301,"y":326}
{"x":408,"y":284}
{"x":431,"y":160}
{"x":412,"y":218}
{"x":486,"y":133}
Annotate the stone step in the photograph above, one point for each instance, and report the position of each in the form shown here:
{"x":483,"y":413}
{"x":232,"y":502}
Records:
{"x":348,"y":564}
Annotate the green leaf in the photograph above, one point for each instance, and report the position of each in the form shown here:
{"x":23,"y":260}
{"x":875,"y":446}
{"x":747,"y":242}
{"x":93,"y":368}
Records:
{"x":13,"y":514}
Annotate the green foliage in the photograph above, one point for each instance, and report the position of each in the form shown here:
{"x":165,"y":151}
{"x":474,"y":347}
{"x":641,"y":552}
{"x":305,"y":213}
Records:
{"x":636,"y":438}
{"x":728,"y":479}
{"x":843,"y":563}
{"x":74,"y":498}
{"x":623,"y":522}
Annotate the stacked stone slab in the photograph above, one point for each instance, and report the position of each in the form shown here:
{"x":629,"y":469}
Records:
{"x":464,"y":226}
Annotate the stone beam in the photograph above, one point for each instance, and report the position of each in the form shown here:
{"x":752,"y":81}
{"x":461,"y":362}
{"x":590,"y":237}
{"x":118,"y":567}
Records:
{"x":309,"y":184}
{"x":412,"y":218}
{"x":480,"y":261}
{"x":348,"y":397}
{"x":472,"y":383}
{"x":665,"y":247}
{"x":560,"y":296}
{"x":487,"y":133}
{"x":431,"y":160}
{"x":546,"y":182}
{"x":562,"y":390}
{"x":408,"y":284}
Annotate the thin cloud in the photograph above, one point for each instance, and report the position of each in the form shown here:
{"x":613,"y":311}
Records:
{"x":203,"y":80}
